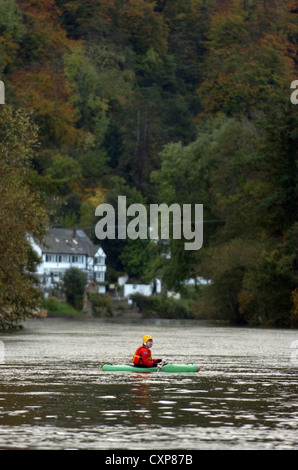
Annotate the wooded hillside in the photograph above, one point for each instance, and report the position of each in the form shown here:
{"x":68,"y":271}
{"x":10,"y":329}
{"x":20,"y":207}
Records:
{"x":184,"y":101}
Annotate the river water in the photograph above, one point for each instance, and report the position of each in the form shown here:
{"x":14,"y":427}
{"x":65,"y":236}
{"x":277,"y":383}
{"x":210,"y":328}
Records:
{"x":53,"y":394}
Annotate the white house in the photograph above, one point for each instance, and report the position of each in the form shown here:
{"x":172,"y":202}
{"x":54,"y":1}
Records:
{"x":143,"y":289}
{"x":66,"y":248}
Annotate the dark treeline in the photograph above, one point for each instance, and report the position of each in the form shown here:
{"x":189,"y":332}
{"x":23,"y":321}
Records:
{"x":168,"y":101}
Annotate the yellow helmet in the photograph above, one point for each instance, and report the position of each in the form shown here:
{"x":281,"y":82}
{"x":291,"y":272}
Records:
{"x":146,"y":338}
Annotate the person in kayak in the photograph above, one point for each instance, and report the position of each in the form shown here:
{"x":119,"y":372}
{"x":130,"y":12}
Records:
{"x":142,"y":356}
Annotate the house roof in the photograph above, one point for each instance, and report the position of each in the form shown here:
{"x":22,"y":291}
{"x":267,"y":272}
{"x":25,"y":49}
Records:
{"x":68,"y":241}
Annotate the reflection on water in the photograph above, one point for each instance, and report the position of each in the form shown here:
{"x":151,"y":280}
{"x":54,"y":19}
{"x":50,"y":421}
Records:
{"x":53,"y":394}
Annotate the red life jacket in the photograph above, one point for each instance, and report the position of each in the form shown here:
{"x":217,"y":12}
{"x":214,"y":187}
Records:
{"x":142,"y":356}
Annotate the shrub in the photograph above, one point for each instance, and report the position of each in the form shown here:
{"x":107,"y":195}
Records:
{"x":162,"y":307}
{"x":101,"y":304}
{"x":52,"y":304}
{"x":75,"y":282}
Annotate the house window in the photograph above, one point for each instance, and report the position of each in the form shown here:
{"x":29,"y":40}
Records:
{"x":100,"y":276}
{"x":99,"y":260}
{"x":53,"y":258}
{"x":57,"y":276}
{"x":64,"y":259}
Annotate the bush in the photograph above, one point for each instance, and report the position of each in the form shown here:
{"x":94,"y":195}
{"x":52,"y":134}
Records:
{"x":52,"y":304}
{"x":101,"y":304}
{"x":75,"y":282}
{"x":162,"y":307}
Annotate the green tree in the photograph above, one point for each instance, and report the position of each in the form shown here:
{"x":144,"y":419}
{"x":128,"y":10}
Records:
{"x":21,"y":214}
{"x":245,"y":173}
{"x":135,"y":257}
{"x":12,"y":33}
{"x":75,"y":281}
{"x":65,"y":171}
{"x":130,"y":256}
{"x":184,"y":178}
{"x":246,"y":61}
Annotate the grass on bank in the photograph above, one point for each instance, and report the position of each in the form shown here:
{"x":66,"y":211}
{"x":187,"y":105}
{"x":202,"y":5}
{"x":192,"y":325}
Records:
{"x":54,"y":306}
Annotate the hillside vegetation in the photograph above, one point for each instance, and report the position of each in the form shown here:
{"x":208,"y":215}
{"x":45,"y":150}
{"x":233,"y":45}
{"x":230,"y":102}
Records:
{"x":164,"y":101}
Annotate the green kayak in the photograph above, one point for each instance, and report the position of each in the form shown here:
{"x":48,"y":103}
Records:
{"x":166,"y":368}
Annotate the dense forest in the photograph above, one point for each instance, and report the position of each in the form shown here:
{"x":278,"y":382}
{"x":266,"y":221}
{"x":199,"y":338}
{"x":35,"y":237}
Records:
{"x":163,"y":101}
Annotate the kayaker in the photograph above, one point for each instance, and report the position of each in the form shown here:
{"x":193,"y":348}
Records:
{"x":142,"y":356}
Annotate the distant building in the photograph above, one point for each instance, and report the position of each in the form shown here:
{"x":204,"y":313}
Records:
{"x":144,"y":289}
{"x":66,"y":248}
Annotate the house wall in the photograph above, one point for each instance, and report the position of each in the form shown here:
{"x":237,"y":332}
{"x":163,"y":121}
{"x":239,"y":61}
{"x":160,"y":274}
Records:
{"x":86,"y":264}
{"x":97,"y":264}
{"x":64,"y":262}
{"x":143,"y":289}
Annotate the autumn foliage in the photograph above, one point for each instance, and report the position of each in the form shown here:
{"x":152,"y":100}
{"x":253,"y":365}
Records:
{"x":165,"y":101}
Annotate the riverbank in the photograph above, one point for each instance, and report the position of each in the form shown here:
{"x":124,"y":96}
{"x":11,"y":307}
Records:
{"x":119,"y":309}
{"x":160,"y":309}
